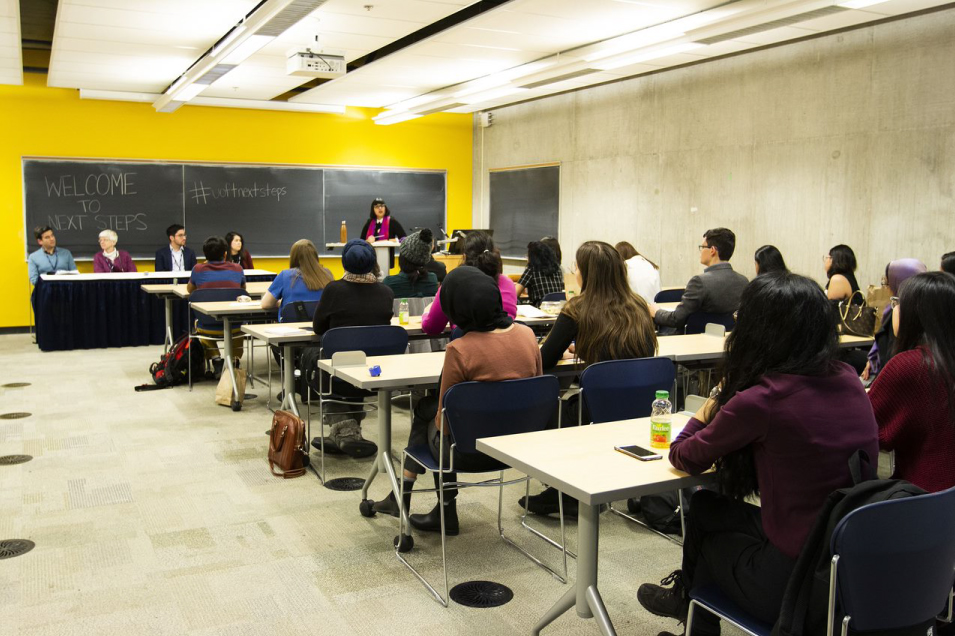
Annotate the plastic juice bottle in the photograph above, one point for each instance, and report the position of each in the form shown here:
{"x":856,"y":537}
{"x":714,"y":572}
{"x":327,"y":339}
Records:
{"x":344,"y":236}
{"x":660,"y":420}
{"x":403,"y":311}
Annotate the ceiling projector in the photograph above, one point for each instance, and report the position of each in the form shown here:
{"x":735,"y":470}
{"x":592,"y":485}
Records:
{"x":308,"y":63}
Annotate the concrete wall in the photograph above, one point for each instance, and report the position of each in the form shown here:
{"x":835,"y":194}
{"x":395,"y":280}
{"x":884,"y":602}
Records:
{"x":848,"y":138}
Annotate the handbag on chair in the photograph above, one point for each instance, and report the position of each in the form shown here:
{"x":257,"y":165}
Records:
{"x":856,"y":320}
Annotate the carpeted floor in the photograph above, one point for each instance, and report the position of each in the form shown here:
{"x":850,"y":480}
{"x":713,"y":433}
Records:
{"x":155,"y":513}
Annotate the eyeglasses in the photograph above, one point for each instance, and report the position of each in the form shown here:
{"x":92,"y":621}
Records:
{"x":704,"y":247}
{"x":894,"y":301}
{"x":826,"y":258}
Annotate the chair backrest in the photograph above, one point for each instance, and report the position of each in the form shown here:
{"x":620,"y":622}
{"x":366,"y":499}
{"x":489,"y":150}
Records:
{"x":298,"y":311}
{"x":696,"y":322}
{"x":713,"y":329}
{"x":416,"y":308}
{"x":554,"y":297}
{"x":377,"y":340}
{"x":473,"y":410}
{"x":896,"y":561}
{"x":212,"y":296}
{"x":669,"y":296}
{"x":624,"y":389}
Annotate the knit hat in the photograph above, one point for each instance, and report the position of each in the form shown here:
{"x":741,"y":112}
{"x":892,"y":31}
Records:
{"x":417,"y":247}
{"x":358,"y":257}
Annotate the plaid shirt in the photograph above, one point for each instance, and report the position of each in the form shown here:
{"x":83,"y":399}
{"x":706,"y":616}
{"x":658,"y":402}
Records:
{"x":539,"y":285}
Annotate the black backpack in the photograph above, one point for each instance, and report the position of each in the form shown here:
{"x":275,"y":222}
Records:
{"x":173,"y":367}
{"x":806,"y":600}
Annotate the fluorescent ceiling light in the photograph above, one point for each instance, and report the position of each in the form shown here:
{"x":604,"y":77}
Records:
{"x":228,"y":39}
{"x":635,"y":40}
{"x":223,"y":102}
{"x":859,"y":4}
{"x":251,"y":45}
{"x":496,"y":93}
{"x":387,"y":118}
{"x":189,"y":92}
{"x":645,"y":56}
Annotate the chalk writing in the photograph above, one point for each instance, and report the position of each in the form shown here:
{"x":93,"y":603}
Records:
{"x":118,"y":222}
{"x":102,"y":184}
{"x":201,"y":193}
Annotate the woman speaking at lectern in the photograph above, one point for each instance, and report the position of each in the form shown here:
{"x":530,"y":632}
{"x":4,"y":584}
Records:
{"x":381,"y":226}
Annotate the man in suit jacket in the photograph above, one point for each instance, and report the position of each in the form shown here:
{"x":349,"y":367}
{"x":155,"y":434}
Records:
{"x":717,"y":290}
{"x":176,"y":257}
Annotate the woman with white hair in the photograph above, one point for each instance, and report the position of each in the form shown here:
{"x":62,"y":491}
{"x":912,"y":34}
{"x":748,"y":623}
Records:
{"x":110,"y":259}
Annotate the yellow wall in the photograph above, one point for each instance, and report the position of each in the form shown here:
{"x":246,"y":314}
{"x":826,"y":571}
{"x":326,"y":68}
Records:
{"x":41,"y":121}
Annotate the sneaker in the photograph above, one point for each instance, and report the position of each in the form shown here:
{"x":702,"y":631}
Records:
{"x":669,"y":602}
{"x":546,"y":503}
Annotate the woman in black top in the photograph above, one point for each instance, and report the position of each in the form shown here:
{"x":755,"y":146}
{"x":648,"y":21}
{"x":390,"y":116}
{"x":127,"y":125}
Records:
{"x":237,"y":252}
{"x":542,"y":275}
{"x":840,"y":264}
{"x":381,"y":226}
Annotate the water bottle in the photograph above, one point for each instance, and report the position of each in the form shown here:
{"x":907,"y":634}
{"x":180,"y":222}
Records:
{"x":660,"y":420}
{"x":403,"y":311}
{"x":344,"y":235}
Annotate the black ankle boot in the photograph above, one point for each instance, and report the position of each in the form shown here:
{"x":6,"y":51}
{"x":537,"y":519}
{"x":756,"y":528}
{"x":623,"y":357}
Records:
{"x":431,"y":522}
{"x":389,"y":505}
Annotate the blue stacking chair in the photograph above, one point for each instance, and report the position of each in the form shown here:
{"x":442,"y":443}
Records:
{"x":473,"y":410}
{"x":892,"y":567}
{"x":625,"y":390}
{"x":207,"y":323}
{"x":377,"y":340}
{"x":554,"y":297}
{"x":697,"y":321}
{"x":290,"y":312}
{"x":669,"y":296}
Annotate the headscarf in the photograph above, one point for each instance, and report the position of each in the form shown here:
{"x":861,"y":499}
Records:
{"x":901,"y":270}
{"x":358,"y":257}
{"x":472,"y":300}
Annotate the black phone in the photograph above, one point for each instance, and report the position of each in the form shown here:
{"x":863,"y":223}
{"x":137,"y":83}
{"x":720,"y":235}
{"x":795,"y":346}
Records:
{"x":639,"y":452}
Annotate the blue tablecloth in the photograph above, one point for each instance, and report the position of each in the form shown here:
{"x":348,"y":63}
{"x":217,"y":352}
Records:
{"x":92,"y":314}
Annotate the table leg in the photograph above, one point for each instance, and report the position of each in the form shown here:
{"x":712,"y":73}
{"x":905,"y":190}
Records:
{"x":227,"y":335}
{"x":383,"y":462}
{"x":288,"y":380}
{"x":584,"y":595}
{"x":168,"y":342}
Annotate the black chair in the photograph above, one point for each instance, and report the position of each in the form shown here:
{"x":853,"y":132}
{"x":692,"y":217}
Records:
{"x":697,"y":321}
{"x":669,"y":296}
{"x":297,"y":311}
{"x":554,"y":297}
{"x":378,"y":340}
{"x":891,"y":568}
{"x":207,"y":323}
{"x":473,"y":410}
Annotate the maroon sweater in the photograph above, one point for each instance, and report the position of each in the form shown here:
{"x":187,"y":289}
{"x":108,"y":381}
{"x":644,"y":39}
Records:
{"x":915,"y":422}
{"x":803,"y":430}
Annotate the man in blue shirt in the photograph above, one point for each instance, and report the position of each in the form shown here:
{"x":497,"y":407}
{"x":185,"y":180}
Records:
{"x":49,"y":258}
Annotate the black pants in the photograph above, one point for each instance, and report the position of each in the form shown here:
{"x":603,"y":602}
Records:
{"x":423,"y":431}
{"x":725,"y":545}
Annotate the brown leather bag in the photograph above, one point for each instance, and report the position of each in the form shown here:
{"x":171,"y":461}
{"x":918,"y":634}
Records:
{"x":287,"y":448}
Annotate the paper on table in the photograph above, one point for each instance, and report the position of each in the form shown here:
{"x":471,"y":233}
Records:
{"x":530,"y":311}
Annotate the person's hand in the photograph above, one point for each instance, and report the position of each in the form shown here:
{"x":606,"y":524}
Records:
{"x":572,"y":348}
{"x":865,"y":372}
{"x":568,"y":355}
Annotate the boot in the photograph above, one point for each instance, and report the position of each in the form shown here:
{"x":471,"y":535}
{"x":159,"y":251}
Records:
{"x":546,"y":503}
{"x":669,"y":602}
{"x":217,"y":365}
{"x":346,"y":435}
{"x":431,"y":522}
{"x":389,"y":505}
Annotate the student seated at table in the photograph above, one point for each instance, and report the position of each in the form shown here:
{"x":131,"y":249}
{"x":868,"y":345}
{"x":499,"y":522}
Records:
{"x":769,"y":259}
{"x":607,"y":321}
{"x":217,"y":273}
{"x":715,"y":291}
{"x":439,"y":269}
{"x":111,"y":260}
{"x":237,"y":252}
{"x":479,"y":252}
{"x":49,"y":258}
{"x":784,"y":425}
{"x":414,"y":280}
{"x":542,"y":275}
{"x":304,"y":280}
{"x":896,"y":273}
{"x":176,"y":257}
{"x":358,"y":299}
{"x":493,"y":348}
{"x":948,"y":263}
{"x":840,"y":264}
{"x":642,"y":273}
{"x":914,"y":396}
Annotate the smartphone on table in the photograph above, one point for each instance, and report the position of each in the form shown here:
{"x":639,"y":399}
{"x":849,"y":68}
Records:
{"x":643,"y":454}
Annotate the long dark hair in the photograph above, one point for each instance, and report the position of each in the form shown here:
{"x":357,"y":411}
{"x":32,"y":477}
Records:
{"x":553,"y":244}
{"x":948,"y":263}
{"x":228,"y":242}
{"x":628,"y":251}
{"x":480,"y":252}
{"x":926,"y":306}
{"x":843,"y":262}
{"x":770,"y":337}
{"x":542,"y":258}
{"x":371,"y":210}
{"x":769,"y":259}
{"x":613,"y":323}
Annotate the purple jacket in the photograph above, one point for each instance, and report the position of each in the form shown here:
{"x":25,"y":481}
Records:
{"x":803,"y":430}
{"x":123,"y":263}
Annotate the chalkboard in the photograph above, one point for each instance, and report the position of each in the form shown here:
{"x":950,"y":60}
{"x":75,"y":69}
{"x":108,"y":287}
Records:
{"x":271,"y":206}
{"x":415,"y":199}
{"x":524,"y":207}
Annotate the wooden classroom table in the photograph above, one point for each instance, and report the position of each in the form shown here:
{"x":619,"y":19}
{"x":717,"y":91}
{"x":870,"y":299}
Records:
{"x":581,"y":462}
{"x":228,"y":311}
